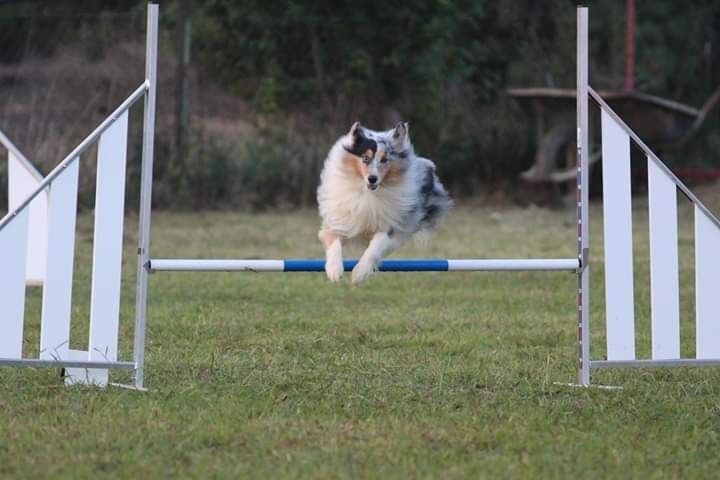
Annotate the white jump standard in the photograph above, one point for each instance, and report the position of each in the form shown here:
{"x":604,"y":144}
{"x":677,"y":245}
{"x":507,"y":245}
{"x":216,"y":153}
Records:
{"x":61,"y":187}
{"x":664,"y":272}
{"x":92,"y":366}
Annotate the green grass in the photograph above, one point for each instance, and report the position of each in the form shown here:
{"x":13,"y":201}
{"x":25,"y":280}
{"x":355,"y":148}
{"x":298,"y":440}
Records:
{"x":410,"y":376}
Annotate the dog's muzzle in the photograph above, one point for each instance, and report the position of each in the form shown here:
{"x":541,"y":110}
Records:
{"x":372,"y":182}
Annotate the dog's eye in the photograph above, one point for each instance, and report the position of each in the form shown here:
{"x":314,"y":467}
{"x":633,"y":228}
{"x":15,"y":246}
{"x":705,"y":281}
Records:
{"x":384,"y":159}
{"x":365,"y":159}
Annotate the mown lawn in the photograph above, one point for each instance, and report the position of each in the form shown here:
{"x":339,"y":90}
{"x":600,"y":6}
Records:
{"x":410,"y":376}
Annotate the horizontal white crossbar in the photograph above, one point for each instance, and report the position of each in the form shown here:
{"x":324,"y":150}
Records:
{"x":389,"y":265}
{"x":491,"y":265}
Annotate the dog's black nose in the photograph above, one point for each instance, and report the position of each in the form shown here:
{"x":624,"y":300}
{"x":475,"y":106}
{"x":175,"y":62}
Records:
{"x":372,"y":179}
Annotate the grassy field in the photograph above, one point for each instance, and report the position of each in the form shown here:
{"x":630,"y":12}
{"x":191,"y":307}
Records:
{"x":410,"y":376}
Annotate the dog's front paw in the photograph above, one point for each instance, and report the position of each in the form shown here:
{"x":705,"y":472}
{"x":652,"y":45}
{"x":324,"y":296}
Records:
{"x":334,"y":270}
{"x":362,"y":271}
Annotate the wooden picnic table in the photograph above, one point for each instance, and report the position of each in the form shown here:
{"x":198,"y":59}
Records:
{"x":663,"y":124}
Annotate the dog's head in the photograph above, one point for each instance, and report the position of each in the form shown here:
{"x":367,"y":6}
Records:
{"x":379,"y":157}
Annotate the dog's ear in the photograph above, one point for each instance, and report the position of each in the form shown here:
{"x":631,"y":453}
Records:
{"x":401,"y":134}
{"x":353,"y":138}
{"x":355,"y":132}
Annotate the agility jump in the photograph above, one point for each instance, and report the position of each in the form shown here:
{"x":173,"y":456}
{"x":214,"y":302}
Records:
{"x":92,"y":366}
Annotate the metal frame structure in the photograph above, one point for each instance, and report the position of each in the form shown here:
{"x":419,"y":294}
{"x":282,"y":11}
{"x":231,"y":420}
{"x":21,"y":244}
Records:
{"x":148,"y":155}
{"x":116,"y":124}
{"x":583,"y":219}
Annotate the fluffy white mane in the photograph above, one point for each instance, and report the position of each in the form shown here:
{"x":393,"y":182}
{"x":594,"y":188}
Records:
{"x":349,"y":208}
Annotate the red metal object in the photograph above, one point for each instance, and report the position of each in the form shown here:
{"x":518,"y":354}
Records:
{"x":630,"y":46}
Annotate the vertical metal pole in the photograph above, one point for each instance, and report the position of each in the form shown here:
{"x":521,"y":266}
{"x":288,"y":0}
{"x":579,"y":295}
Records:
{"x":146,"y":194}
{"x":582,"y":198}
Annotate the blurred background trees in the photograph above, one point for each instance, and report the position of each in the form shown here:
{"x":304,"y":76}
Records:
{"x":253,"y":93}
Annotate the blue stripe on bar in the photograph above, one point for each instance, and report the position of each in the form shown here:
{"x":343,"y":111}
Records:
{"x":410,"y":265}
{"x":414,"y":266}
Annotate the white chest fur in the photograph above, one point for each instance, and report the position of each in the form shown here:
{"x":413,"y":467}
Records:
{"x":350,"y":209}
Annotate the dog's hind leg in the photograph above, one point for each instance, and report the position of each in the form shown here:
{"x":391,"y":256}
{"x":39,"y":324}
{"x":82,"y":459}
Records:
{"x":333,"y":254}
{"x":381,"y":244}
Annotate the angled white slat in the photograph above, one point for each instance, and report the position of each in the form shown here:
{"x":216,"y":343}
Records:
{"x":13,"y":254}
{"x":617,"y":229}
{"x":22,"y":181}
{"x":707,"y":287}
{"x":57,"y":292}
{"x":107,"y":242}
{"x":664,"y":279}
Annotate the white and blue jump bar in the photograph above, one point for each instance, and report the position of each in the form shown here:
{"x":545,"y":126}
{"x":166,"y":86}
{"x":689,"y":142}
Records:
{"x":389,"y":265}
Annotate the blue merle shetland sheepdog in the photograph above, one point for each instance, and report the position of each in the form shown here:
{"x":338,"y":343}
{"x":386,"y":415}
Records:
{"x":374,"y":186}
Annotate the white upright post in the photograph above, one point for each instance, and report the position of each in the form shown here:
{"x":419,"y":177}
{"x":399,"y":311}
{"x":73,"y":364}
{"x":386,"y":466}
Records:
{"x":707,"y":277}
{"x":618,"y":243}
{"x":108,"y":243}
{"x":583,"y":294}
{"x":13,"y":251}
{"x":24,"y":179}
{"x":57,"y":291}
{"x":143,"y":251}
{"x":664,"y":275}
